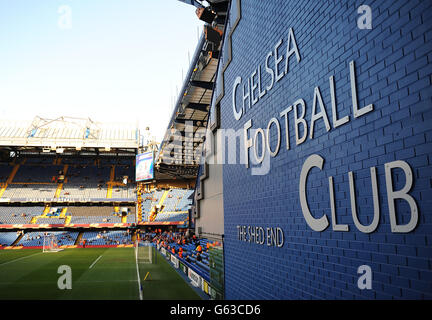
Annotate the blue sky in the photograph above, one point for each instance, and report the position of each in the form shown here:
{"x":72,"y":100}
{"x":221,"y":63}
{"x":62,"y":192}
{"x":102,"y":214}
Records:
{"x":110,"y":60}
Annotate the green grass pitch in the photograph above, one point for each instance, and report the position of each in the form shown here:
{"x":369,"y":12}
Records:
{"x":97,"y":274}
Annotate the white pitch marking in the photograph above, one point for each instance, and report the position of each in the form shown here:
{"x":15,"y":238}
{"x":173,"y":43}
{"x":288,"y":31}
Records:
{"x":138,"y":275}
{"x":95,"y":262}
{"x":5,"y":263}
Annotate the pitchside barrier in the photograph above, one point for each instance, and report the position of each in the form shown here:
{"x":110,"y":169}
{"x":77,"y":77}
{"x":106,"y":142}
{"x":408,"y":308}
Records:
{"x":196,"y":276}
{"x":68,"y":200}
{"x":68,"y":246}
{"x":92,"y":225}
{"x":71,"y":225}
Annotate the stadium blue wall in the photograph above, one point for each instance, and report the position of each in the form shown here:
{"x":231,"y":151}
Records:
{"x":393,"y":72}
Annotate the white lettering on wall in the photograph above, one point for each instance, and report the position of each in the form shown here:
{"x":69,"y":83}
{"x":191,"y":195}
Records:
{"x":320,"y":224}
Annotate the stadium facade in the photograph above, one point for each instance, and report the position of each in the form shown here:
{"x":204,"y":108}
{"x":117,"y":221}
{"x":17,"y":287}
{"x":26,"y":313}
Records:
{"x":302,"y":135}
{"x":321,"y":114}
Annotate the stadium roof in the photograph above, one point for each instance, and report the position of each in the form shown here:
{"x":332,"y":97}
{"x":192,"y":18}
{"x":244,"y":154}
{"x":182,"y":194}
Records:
{"x":67,"y":133}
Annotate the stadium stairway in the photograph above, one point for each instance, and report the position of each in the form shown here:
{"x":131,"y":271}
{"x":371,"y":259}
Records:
{"x":162,"y":199}
{"x":58,"y":191}
{"x":124,"y":219}
{"x":3,"y":189}
{"x":60,"y":185}
{"x":43,"y":215}
{"x":46,"y":210}
{"x":117,"y":211}
{"x":78,"y":239}
{"x":110,"y":183}
{"x":10,"y":179}
{"x":153,"y":212}
{"x":17,"y":240}
{"x":63,"y":213}
{"x":68,"y":219}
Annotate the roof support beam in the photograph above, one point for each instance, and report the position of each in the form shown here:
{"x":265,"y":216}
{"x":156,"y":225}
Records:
{"x":202,"y":84}
{"x":195,"y":123}
{"x":198,"y":106}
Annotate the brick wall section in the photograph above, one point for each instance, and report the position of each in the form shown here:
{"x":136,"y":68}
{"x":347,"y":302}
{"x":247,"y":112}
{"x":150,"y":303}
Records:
{"x":393,"y":68}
